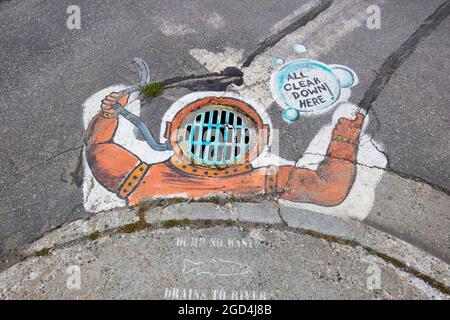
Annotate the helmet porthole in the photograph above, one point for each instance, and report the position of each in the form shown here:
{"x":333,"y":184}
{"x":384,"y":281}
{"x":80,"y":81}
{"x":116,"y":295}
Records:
{"x":217,"y":135}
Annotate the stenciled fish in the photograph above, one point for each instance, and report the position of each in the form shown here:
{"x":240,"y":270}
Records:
{"x":215,"y":267}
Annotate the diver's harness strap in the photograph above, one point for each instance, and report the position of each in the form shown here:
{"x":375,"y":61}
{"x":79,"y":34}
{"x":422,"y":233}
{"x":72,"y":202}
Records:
{"x":108,"y":115}
{"x":211,"y":172}
{"x":344,"y":139}
{"x":132,"y":181}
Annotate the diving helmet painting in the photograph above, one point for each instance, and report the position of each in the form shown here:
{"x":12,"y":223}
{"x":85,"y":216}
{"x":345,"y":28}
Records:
{"x":213,"y":139}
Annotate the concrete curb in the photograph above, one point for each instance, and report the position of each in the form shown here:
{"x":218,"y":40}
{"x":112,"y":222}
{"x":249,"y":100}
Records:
{"x":278,"y":215}
{"x":263,"y":213}
{"x":371,"y":238}
{"x":83,"y":228}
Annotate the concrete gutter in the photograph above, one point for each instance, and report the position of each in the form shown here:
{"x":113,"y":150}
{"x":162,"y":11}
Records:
{"x":170,"y":231}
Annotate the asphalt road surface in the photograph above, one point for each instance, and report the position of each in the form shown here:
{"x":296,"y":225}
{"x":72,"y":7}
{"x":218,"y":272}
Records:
{"x":48,"y":71}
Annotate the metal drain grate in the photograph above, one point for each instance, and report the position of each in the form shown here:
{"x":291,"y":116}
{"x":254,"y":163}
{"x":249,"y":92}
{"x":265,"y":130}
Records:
{"x":217,"y":137}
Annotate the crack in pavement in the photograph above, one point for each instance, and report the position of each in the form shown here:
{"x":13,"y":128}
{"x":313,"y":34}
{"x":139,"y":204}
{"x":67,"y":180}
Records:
{"x":277,"y":204}
{"x":217,"y":80}
{"x":396,"y":59}
{"x":418,"y":179}
{"x":43,"y":162}
{"x":78,"y":174}
{"x":274,"y":39}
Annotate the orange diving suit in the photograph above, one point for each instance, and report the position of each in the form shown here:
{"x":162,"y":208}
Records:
{"x":123,"y":173}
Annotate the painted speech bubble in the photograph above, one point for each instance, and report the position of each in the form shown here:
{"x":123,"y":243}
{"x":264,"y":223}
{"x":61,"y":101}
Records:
{"x":309,"y":86}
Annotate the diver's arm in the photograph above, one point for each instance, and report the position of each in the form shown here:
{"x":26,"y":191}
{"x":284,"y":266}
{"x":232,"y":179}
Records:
{"x":331,"y":183}
{"x":110,"y":163}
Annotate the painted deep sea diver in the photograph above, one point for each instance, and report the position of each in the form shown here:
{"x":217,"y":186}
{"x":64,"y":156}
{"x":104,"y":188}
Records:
{"x":214,"y":141}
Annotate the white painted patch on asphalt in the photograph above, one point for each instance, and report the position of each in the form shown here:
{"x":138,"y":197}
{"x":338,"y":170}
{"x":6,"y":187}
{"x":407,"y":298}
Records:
{"x":215,"y":21}
{"x":286,"y":21}
{"x":216,"y":62}
{"x":171,"y":29}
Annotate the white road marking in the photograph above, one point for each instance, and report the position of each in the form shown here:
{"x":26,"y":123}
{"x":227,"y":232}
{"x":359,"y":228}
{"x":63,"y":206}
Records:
{"x":216,"y":62}
{"x":171,"y":29}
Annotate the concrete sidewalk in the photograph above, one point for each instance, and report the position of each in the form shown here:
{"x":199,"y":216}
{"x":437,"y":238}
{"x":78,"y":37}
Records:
{"x":212,"y":251}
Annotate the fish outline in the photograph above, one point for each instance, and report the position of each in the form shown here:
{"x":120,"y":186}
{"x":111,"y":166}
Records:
{"x":215,"y":264}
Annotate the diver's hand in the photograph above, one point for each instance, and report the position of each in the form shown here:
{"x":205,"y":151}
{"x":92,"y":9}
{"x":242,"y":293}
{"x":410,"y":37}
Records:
{"x":111,"y":99}
{"x":349,"y":129}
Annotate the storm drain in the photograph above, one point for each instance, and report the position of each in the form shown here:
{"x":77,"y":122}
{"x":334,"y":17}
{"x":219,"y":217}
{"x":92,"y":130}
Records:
{"x":217,"y":137}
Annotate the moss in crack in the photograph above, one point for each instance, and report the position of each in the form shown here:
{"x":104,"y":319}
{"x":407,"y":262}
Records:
{"x":134,"y":227}
{"x":330,"y":238}
{"x":168,"y":202}
{"x":176,"y":223}
{"x":152,"y":89}
{"x":385,"y":257}
{"x":220,"y":201}
{"x":94,"y":236}
{"x":17,"y":254}
{"x":160,"y":203}
{"x":397,"y":263}
{"x":216,"y":200}
{"x":143,"y":208}
{"x":179,"y":200}
{"x":163,"y":203}
{"x":230,"y":223}
{"x":43,"y":252}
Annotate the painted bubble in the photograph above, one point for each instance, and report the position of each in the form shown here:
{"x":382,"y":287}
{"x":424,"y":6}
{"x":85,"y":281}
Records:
{"x":278,"y":61}
{"x":346,"y":78}
{"x":290,"y":114}
{"x":309,"y":86}
{"x":299,"y":48}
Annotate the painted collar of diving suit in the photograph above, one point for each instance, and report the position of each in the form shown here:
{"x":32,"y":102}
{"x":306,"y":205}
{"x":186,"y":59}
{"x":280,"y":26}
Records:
{"x":210,"y":171}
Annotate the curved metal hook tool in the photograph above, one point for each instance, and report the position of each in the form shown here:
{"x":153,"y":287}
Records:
{"x":144,"y":78}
